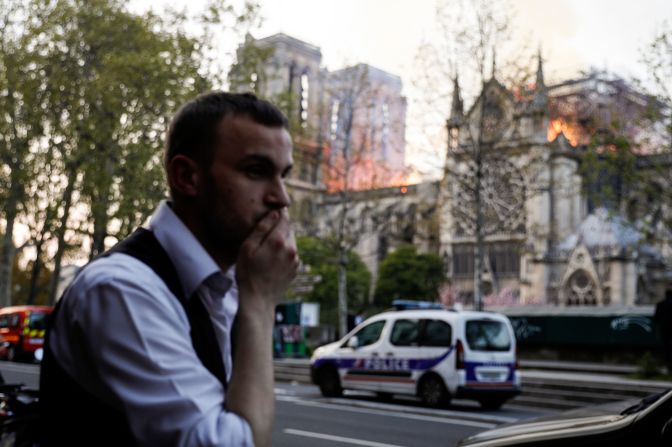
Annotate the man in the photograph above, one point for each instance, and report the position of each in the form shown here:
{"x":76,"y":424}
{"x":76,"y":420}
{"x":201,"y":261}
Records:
{"x":663,"y":319}
{"x":140,"y":348}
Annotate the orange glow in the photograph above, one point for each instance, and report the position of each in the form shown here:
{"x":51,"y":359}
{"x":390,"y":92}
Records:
{"x":365,"y":173}
{"x":573,"y":132}
{"x":403,"y":190}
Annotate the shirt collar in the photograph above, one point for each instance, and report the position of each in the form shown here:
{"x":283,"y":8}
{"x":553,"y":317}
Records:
{"x":193,"y":264}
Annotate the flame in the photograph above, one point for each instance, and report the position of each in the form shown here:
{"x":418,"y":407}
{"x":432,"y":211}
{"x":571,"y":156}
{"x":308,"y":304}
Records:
{"x":571,"y":131}
{"x":365,"y":173}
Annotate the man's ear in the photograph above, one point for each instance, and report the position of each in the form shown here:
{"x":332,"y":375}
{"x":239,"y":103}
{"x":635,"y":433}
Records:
{"x":184,"y":176}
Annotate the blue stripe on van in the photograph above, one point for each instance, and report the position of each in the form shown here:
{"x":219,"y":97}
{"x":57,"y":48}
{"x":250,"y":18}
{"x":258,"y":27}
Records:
{"x":385,"y":363}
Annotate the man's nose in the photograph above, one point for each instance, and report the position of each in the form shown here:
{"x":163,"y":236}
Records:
{"x":278,"y":197}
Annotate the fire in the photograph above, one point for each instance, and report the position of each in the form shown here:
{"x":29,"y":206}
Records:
{"x":572,"y":131}
{"x":365,"y":173}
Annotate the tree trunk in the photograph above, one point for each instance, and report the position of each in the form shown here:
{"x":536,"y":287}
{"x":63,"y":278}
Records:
{"x":342,"y":294}
{"x":99,"y":227}
{"x":8,"y":250}
{"x":60,"y":237}
{"x":35,"y":275}
{"x":479,"y":246}
{"x":7,"y":258}
{"x":99,"y":208}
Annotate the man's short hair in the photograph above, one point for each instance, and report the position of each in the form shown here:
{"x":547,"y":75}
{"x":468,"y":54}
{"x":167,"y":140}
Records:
{"x":193,"y":130}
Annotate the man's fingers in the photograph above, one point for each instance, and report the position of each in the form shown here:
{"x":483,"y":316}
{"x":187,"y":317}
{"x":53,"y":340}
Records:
{"x":263,"y":228}
{"x":291,"y":246}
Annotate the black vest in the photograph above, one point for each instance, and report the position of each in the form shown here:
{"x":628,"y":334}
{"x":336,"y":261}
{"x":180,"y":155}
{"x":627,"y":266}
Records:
{"x":73,"y":416}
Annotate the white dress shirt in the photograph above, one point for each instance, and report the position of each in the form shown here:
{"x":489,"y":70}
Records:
{"x":125,"y":338}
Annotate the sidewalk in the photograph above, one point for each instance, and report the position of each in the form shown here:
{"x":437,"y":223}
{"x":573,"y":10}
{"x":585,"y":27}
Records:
{"x":587,"y":372}
{"x":556,"y":365}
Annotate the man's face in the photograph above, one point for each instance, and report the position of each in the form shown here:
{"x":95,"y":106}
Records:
{"x":245,"y":180}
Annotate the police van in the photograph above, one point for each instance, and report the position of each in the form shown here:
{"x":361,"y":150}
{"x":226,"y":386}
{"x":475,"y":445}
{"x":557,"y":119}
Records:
{"x":436,"y":354}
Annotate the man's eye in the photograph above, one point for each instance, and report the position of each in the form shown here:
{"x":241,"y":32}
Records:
{"x":255,"y":171}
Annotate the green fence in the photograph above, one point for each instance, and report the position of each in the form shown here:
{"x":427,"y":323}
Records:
{"x":631,"y":327}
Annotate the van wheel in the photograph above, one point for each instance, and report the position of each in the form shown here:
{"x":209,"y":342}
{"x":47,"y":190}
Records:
{"x":492,"y":403}
{"x":433,"y":392}
{"x":329,"y":382}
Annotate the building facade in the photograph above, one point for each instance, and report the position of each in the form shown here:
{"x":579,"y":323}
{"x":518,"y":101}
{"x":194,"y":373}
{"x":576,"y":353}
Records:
{"x":544,"y":239}
{"x":515,"y":185}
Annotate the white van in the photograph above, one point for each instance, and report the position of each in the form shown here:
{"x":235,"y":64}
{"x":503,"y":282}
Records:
{"x":435,"y":354}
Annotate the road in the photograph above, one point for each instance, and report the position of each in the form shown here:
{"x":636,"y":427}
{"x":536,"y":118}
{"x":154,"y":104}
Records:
{"x":24,"y":373}
{"x":305,"y":418}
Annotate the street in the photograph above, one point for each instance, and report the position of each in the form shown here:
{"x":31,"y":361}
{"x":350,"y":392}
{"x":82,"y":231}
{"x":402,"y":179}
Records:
{"x":305,"y":418}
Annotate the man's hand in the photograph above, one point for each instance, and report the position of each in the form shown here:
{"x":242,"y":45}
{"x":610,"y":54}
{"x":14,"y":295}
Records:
{"x":266,"y":265}
{"x":268,"y":260}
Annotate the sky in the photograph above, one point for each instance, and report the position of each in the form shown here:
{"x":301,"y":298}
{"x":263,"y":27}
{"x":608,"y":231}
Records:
{"x":574,"y":35}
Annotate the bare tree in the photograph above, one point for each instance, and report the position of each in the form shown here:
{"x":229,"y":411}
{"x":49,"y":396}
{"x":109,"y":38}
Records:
{"x":473,"y":34}
{"x":355,"y":104}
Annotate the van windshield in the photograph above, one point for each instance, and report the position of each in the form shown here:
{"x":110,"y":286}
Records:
{"x":488,"y":335}
{"x":37,"y":320}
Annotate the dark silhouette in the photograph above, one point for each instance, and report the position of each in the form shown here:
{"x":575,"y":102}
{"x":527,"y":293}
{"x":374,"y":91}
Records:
{"x":663,"y":319}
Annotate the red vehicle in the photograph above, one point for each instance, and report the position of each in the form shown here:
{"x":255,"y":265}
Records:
{"x":23,"y":328}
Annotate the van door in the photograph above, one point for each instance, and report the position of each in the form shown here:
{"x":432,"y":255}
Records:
{"x":357,"y":364}
{"x":438,"y":351}
{"x":398,"y":354}
{"x":489,"y":353}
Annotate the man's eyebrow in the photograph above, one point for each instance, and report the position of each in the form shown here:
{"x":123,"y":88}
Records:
{"x":266,"y":160}
{"x":257,"y":158}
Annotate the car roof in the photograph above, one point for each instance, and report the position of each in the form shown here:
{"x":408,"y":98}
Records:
{"x":13,"y":309}
{"x":438,"y":313}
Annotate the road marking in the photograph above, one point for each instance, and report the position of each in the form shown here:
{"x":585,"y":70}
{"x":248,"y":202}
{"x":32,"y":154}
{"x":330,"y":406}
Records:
{"x":310,"y":434}
{"x":461,"y":422}
{"x":458,"y":414}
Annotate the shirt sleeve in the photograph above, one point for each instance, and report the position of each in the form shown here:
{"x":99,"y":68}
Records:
{"x":136,"y":335}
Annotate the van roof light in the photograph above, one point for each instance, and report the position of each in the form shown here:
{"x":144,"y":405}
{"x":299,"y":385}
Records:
{"x":413,"y":304}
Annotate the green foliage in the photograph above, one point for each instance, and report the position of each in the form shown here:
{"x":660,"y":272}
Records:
{"x":321,"y":256}
{"x":406,"y":274}
{"x":86,"y":91}
{"x":609,"y":167}
{"x":114,"y":78}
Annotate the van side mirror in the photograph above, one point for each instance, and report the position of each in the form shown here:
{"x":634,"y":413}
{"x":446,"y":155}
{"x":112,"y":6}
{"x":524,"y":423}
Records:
{"x":353,"y":342}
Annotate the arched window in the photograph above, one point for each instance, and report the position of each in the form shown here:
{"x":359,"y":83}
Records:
{"x":580,"y":289}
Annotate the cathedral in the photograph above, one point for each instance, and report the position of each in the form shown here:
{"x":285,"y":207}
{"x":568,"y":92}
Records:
{"x":515,"y":193}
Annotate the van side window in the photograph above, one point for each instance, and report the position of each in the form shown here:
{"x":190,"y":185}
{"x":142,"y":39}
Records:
{"x":369,"y":334}
{"x":14,"y":320}
{"x":437,"y":333}
{"x":3,"y":321}
{"x":405,"y":333}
